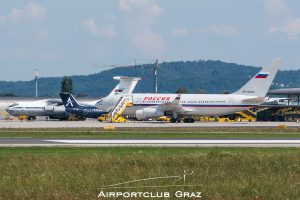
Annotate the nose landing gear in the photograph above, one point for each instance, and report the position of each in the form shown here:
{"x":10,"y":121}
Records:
{"x":185,"y":120}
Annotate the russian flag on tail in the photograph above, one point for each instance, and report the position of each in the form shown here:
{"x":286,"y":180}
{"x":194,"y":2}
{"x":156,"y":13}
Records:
{"x":262,"y":75}
{"x":119,"y":90}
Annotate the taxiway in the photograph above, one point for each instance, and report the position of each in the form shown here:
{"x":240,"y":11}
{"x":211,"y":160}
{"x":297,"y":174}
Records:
{"x":96,"y":124}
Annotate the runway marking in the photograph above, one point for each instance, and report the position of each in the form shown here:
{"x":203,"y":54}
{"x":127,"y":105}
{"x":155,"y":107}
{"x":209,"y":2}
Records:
{"x":176,"y":141}
{"x":15,"y":137}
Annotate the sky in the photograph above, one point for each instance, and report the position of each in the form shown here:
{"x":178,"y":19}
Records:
{"x":69,"y":37}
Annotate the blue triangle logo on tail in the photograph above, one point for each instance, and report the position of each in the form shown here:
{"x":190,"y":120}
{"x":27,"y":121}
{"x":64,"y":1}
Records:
{"x":69,"y":102}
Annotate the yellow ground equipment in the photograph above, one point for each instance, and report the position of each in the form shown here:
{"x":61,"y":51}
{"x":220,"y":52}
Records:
{"x":22,"y":117}
{"x":105,"y":118}
{"x":281,"y":126}
{"x":164,"y":119}
{"x":109,"y":128}
{"x":246,"y":115}
{"x":115,"y":115}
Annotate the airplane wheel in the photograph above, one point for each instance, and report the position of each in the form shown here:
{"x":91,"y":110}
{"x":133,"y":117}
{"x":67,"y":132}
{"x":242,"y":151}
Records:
{"x":173,"y":120}
{"x":189,"y":120}
{"x":31,"y":118}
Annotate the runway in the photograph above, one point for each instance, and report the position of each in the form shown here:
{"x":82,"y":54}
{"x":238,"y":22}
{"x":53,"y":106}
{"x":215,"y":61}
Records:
{"x":96,"y":124}
{"x":35,"y":142}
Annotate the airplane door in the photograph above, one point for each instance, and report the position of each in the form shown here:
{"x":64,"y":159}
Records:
{"x":129,"y":98}
{"x":139,"y":101}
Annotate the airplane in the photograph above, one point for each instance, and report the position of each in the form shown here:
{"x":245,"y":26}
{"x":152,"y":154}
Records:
{"x":83,"y":110}
{"x":54,"y":108}
{"x":277,"y":101}
{"x":185,"y":106}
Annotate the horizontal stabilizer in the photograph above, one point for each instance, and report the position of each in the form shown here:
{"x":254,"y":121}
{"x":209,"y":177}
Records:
{"x":255,"y":100}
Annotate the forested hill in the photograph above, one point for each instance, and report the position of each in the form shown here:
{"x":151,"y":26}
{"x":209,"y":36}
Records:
{"x":195,"y":76}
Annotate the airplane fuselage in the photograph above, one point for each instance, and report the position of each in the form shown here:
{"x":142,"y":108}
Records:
{"x":37,"y":108}
{"x":193,"y":104}
{"x":86,"y":111}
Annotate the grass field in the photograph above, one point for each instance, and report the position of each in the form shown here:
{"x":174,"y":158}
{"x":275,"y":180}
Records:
{"x":153,"y":133}
{"x":219,"y":173}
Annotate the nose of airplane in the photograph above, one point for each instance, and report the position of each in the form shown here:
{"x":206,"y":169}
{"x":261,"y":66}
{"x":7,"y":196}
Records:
{"x":8,"y":109}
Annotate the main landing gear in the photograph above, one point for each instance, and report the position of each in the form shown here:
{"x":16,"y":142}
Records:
{"x":185,"y":120}
{"x":175,"y":120}
{"x":189,"y":120}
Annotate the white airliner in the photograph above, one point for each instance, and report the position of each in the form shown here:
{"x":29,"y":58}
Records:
{"x":55,"y":109}
{"x":184,"y":106}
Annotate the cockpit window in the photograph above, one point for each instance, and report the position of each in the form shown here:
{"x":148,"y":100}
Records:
{"x":100,"y":101}
{"x":13,"y":105}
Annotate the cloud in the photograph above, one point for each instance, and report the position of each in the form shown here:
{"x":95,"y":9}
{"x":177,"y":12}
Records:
{"x":290,"y":27}
{"x":276,"y":7}
{"x":34,"y":10}
{"x":285,"y":23}
{"x":107,"y":28}
{"x":26,"y":34}
{"x":224,"y":30}
{"x":180,"y":32}
{"x":30,"y":11}
{"x":148,"y":7}
{"x":149,"y":42}
{"x":2,"y":20}
{"x":43,"y":34}
{"x":15,"y":15}
{"x":142,"y":15}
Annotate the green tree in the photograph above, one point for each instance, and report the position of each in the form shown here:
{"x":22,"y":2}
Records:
{"x":67,"y":84}
{"x":200,"y":91}
{"x":182,"y":90}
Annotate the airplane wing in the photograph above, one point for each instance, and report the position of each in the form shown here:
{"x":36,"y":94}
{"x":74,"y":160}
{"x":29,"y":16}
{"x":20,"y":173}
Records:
{"x":53,"y":101}
{"x":174,"y":106}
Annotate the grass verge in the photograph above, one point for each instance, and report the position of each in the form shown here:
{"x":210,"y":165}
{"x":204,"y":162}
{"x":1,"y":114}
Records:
{"x":153,"y":133}
{"x":219,"y":173}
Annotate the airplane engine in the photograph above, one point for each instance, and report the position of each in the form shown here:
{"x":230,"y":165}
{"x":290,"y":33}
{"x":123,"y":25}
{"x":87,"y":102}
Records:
{"x":147,"y":113}
{"x":59,"y":109}
{"x":49,"y":108}
{"x":54,"y":108}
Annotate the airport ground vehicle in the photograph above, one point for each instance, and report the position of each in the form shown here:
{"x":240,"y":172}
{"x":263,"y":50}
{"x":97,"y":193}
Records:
{"x":105,"y":118}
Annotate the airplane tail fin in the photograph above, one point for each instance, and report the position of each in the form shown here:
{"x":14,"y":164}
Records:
{"x":125,"y":86}
{"x":261,"y":82}
{"x":68,"y":100}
